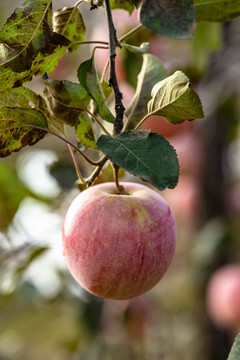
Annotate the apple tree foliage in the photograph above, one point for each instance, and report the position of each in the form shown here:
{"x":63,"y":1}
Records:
{"x":33,"y":40}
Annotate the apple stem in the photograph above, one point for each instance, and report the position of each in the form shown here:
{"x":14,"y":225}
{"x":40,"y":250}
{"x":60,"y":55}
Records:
{"x":113,"y":41}
{"x":120,"y":188}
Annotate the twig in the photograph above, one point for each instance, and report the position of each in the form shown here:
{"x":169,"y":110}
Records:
{"x":113,"y":41}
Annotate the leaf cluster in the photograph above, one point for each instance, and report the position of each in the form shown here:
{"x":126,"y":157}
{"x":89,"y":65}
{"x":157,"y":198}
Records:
{"x":33,"y":40}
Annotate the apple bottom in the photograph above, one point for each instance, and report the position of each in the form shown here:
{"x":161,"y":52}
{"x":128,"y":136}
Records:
{"x":118,"y":246}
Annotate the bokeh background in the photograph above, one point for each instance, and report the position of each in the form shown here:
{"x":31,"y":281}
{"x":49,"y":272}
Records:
{"x":44,"y":314}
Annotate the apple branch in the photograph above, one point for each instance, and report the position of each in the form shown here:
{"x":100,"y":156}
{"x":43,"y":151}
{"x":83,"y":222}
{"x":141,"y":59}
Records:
{"x":113,"y":41}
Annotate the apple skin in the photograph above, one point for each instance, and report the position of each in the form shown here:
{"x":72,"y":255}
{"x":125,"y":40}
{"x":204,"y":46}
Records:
{"x":223,"y":297}
{"x":118,"y":246}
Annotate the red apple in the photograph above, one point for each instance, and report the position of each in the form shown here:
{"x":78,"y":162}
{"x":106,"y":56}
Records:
{"x":223,"y":297}
{"x":118,"y":246}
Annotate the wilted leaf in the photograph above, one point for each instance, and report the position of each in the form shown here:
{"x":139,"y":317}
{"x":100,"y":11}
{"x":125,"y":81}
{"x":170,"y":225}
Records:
{"x":122,"y":4}
{"x":66,"y":100}
{"x":174,"y":99}
{"x":88,"y":78}
{"x":143,"y":48}
{"x":235,"y":351}
{"x":27,"y":33}
{"x":144,"y":154}
{"x":217,"y":10}
{"x":68,"y":22}
{"x":17,"y":128}
{"x":84,"y":132}
{"x":151,"y":72}
{"x":172,"y":18}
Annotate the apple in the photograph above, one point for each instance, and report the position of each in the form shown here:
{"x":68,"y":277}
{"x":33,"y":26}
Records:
{"x":223,"y":297}
{"x":118,"y":246}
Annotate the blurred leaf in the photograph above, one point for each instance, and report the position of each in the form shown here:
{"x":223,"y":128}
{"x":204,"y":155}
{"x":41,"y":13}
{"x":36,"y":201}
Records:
{"x":144,"y":154}
{"x":84,"y":132}
{"x":173,"y":99}
{"x":14,"y":130}
{"x":34,"y":253}
{"x":235,"y":351}
{"x":12,"y":193}
{"x":68,"y":22}
{"x":88,"y":78}
{"x":66,"y":100}
{"x":151,"y":72}
{"x":122,"y":4}
{"x":143,"y":48}
{"x":173,"y":18}
{"x":64,"y":173}
{"x":27,"y":33}
{"x":217,"y":10}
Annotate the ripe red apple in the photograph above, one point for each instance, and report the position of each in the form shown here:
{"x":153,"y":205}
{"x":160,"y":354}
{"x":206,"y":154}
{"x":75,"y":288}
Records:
{"x":223,"y":297}
{"x":118,"y":246}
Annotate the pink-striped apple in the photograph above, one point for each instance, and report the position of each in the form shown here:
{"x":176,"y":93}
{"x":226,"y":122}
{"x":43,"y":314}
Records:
{"x":118,"y":246}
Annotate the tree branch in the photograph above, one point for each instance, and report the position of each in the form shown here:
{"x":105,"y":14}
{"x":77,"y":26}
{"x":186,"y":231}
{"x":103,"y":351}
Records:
{"x":113,"y":41}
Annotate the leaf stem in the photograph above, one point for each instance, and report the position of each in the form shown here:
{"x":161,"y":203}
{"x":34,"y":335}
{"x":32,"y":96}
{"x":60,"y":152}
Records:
{"x":91,"y":179}
{"x":125,"y":36}
{"x":93,"y":163}
{"x":76,"y":165}
{"x":142,"y":121}
{"x":113,"y":41}
{"x":98,"y":122}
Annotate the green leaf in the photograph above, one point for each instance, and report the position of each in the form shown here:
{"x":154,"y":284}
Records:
{"x":84,"y":132}
{"x":17,"y":128}
{"x":19,"y":97}
{"x":68,"y":22}
{"x":122,"y":4}
{"x":143,"y":48}
{"x":88,"y":78}
{"x":217,"y":10}
{"x":27,"y":33}
{"x":144,"y":154}
{"x":174,"y":99}
{"x":11,"y":194}
{"x":171,"y":18}
{"x":151,"y":72}
{"x":66,"y":100}
{"x":235,"y":351}
{"x":41,"y":65}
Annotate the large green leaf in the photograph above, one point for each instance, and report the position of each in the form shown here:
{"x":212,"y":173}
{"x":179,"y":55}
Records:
{"x":27,"y":33}
{"x":68,"y":22}
{"x":174,"y":99}
{"x":235,"y":351}
{"x":88,"y":78}
{"x":144,"y":154}
{"x":151,"y":72}
{"x":171,"y":18}
{"x":66,"y":100}
{"x":217,"y":10}
{"x":17,"y":128}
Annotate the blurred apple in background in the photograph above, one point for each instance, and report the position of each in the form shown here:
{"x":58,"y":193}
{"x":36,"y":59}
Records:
{"x":223,"y":297}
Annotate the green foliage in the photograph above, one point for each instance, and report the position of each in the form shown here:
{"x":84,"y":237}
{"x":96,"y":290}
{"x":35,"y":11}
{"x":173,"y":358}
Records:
{"x":88,"y":78}
{"x":27,"y":33}
{"x":20,"y":127}
{"x":144,"y":154}
{"x":66,"y":100}
{"x":169,"y":18}
{"x":122,"y":4}
{"x":173,"y":99}
{"x":217,"y":10}
{"x":235,"y":351}
{"x":152,"y":71}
